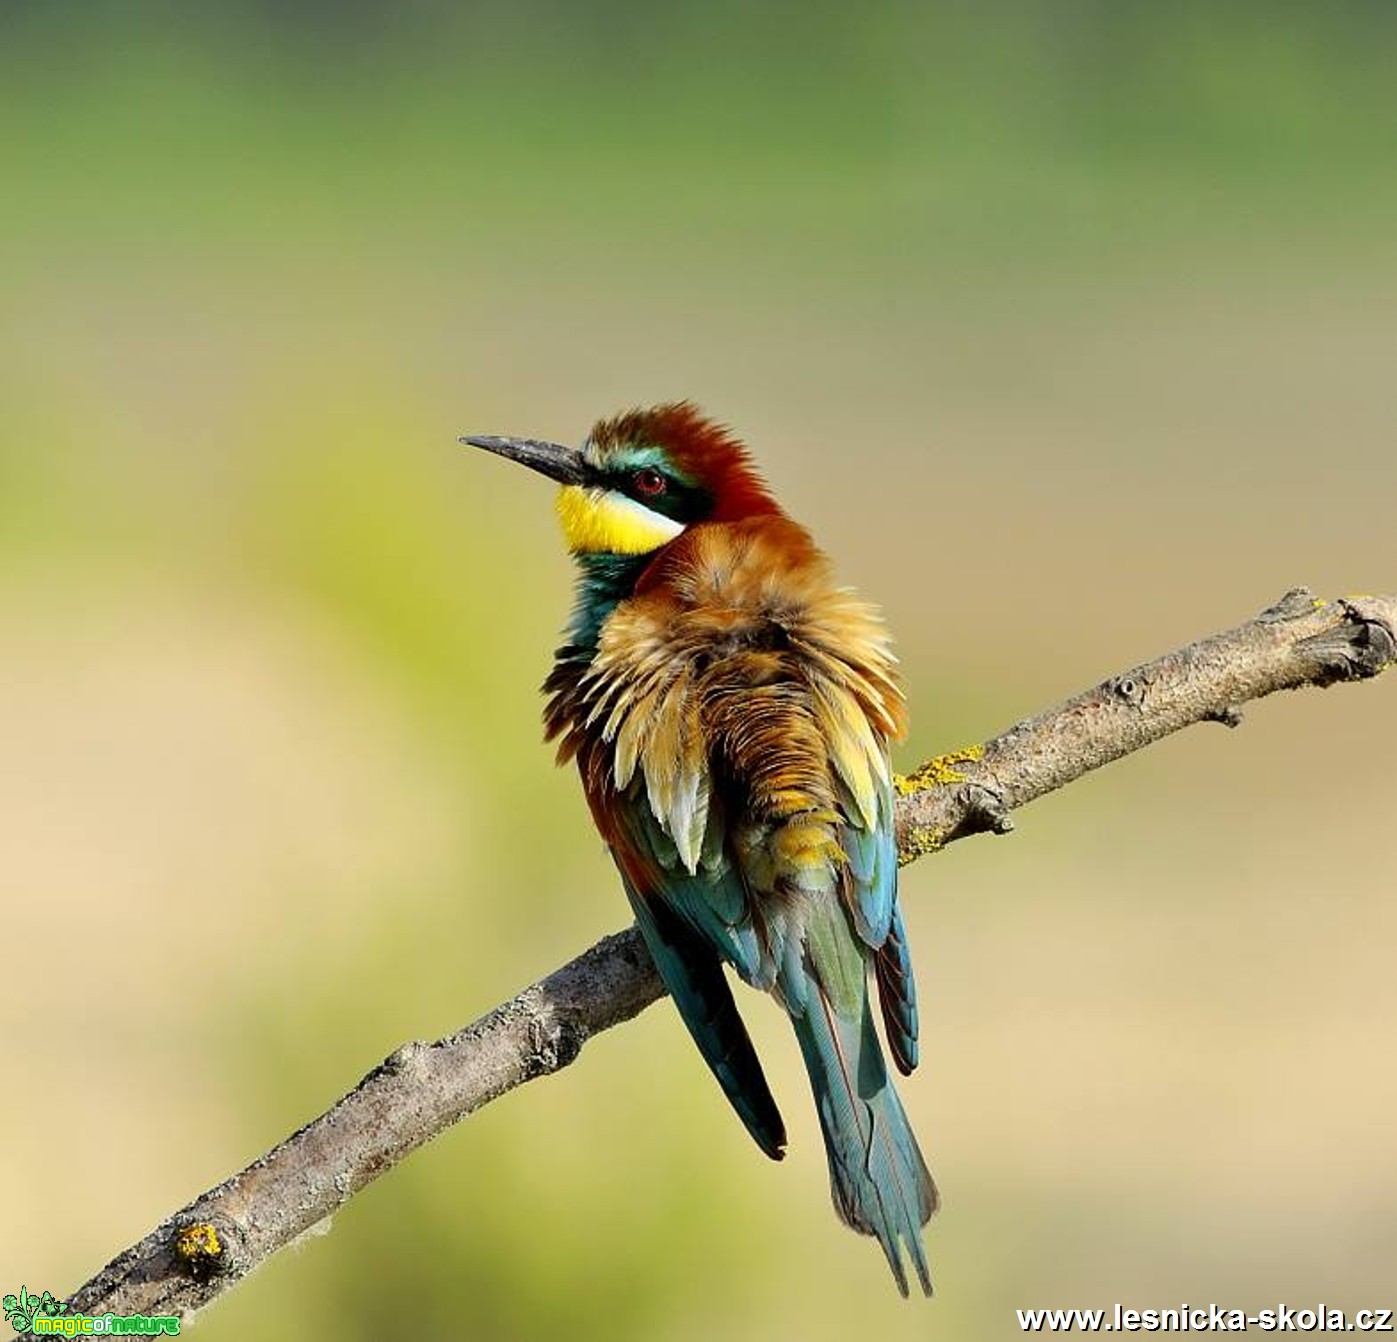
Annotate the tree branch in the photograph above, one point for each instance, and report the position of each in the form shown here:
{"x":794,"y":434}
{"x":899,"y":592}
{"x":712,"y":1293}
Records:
{"x":422,"y":1089}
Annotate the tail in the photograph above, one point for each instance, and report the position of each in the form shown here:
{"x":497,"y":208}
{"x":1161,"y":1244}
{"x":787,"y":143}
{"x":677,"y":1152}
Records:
{"x":878,"y":1179}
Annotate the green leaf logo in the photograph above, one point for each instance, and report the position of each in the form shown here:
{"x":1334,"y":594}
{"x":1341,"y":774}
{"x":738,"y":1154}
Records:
{"x":20,"y":1310}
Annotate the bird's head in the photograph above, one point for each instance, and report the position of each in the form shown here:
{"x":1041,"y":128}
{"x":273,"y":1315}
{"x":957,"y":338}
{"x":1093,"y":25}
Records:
{"x":642,"y":478}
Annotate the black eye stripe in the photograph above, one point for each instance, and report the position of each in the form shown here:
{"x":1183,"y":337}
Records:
{"x":677,"y":497}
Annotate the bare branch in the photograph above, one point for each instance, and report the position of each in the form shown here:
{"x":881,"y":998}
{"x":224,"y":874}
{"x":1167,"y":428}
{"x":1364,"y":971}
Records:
{"x":422,"y":1089}
{"x":1299,"y":641}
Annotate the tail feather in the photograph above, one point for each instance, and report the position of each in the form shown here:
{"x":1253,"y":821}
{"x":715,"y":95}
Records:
{"x":897,"y":994}
{"x":693,"y":973}
{"x":878,"y":1179}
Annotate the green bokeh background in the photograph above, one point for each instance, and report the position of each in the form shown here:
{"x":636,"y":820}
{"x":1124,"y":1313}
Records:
{"x":1070,"y":329}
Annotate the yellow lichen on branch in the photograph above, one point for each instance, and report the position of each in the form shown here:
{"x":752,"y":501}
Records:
{"x":938,"y":772}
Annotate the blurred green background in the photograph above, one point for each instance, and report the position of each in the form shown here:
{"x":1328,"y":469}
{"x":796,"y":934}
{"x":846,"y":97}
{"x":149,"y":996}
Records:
{"x":1071,"y":329}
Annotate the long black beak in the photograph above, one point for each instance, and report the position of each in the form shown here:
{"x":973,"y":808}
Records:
{"x":563,"y":464}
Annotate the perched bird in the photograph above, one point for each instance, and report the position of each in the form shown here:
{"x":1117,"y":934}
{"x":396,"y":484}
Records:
{"x":730,"y":711}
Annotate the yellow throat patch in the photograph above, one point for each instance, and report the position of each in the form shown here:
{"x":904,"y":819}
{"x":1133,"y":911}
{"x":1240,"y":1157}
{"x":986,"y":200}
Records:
{"x":602,"y":521}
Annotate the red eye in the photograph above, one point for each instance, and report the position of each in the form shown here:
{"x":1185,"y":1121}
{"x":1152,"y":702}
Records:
{"x":650,"y":483}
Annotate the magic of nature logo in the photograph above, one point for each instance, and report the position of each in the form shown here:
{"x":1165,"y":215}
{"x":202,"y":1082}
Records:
{"x":45,"y":1316}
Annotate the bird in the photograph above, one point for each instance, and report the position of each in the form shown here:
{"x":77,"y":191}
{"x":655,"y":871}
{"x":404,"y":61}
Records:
{"x":731,"y":709}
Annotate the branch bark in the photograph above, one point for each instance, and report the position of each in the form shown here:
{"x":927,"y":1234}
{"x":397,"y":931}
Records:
{"x":422,"y":1089}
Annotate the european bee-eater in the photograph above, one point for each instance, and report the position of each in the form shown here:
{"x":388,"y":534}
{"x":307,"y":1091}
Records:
{"x":730,"y":710}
